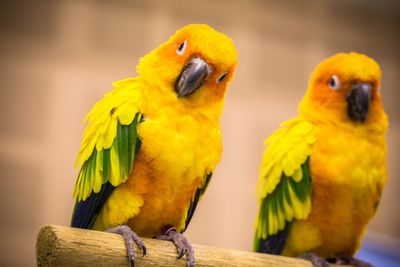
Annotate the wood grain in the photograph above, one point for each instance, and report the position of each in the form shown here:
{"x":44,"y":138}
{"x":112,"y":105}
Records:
{"x":66,"y":246}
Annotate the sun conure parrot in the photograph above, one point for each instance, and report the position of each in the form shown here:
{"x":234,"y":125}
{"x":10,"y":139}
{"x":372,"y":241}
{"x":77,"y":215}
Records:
{"x":323,"y":172}
{"x":152,"y":143}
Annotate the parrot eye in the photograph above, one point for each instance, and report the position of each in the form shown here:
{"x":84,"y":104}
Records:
{"x":334,"y":82}
{"x":222,"y":77}
{"x":181,"y":48}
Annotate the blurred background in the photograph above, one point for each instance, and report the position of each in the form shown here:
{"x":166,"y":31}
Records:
{"x":59,"y":57}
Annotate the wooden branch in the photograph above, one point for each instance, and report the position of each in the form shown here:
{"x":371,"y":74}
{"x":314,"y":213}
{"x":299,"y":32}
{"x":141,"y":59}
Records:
{"x":65,"y":246}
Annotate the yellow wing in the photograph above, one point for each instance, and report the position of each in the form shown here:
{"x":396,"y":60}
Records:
{"x":110,"y":139}
{"x":284,"y":186}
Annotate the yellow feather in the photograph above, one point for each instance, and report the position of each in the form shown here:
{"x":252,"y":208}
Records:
{"x":114,"y":213}
{"x":115,"y":168}
{"x":109,"y":135}
{"x":288,"y":210}
{"x":280,"y":219}
{"x":298,"y":175}
{"x":271,"y":223}
{"x":124,"y":114}
{"x":98,"y":177}
{"x":288,"y":166}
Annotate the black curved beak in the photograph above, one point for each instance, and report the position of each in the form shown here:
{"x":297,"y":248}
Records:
{"x":193,"y":75}
{"x":358,"y":101}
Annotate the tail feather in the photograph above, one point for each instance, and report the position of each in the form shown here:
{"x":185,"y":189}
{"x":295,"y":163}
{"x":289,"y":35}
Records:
{"x":273,"y":244}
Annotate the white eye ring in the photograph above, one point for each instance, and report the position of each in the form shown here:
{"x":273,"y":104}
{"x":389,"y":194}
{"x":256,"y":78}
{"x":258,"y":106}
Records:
{"x":181,"y":48}
{"x":222,"y":77}
{"x":334,"y":82}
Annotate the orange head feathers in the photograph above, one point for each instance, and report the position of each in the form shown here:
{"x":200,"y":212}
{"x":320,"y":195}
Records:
{"x":192,"y":67}
{"x":344,"y":87}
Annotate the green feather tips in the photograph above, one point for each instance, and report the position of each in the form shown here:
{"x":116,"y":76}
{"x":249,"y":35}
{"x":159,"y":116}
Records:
{"x":112,"y":165}
{"x":290,"y":200}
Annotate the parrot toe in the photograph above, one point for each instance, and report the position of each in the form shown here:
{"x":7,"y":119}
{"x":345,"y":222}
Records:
{"x":182,"y":244}
{"x":129,"y":237}
{"x":315,"y":259}
{"x":349,"y":260}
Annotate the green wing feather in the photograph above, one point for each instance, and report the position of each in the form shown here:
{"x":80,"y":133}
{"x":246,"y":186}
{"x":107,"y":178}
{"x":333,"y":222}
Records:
{"x":110,"y":140}
{"x":284,"y":188}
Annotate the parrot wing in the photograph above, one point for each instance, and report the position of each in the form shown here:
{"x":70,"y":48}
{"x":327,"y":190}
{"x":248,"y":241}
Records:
{"x":284,"y":188}
{"x":110,"y":143}
{"x":196,"y":198}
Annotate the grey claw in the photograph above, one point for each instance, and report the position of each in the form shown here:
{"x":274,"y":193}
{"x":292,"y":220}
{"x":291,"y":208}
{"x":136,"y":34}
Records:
{"x":144,"y":249}
{"x":182,"y":244}
{"x":182,"y":252}
{"x":129,"y":237}
{"x":139,"y":242}
{"x":315,"y":259}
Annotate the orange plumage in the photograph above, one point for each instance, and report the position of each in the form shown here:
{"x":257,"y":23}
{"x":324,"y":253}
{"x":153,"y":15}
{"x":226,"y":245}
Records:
{"x":152,"y":143}
{"x":342,"y":110}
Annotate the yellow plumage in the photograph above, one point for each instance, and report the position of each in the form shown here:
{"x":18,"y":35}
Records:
{"x":347,"y":161}
{"x":284,"y":158}
{"x":180,"y":137}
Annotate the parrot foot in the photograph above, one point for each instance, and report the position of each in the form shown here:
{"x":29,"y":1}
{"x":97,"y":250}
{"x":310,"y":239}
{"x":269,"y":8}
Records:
{"x":129,"y":237}
{"x":181,"y":243}
{"x":349,"y":260}
{"x":315,"y":259}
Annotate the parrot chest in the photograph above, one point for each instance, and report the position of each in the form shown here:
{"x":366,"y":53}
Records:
{"x":348,"y":172}
{"x":173,"y":159}
{"x":181,"y":146}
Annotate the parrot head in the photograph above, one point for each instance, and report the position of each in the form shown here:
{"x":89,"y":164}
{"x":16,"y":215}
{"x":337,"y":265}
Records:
{"x":345,"y":87}
{"x":193,"y":67}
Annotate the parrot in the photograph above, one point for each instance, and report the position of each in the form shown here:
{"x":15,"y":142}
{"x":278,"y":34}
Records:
{"x":323,"y":172}
{"x":151,"y":144}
